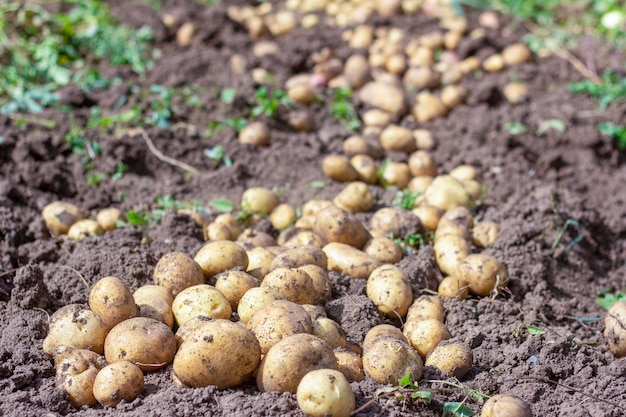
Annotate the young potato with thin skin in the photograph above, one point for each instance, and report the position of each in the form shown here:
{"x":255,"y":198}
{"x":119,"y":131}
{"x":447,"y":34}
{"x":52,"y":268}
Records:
{"x":484,"y":234}
{"x":426,"y":307}
{"x":325,"y":392}
{"x":615,"y":328}
{"x":259,"y":262}
{"x":338,"y":168}
{"x":277,"y":320}
{"x":303,"y":237}
{"x":446,"y":228}
{"x":283,"y":216}
{"x":220,"y":256}
{"x":294,"y":284}
{"x":483,"y":273}
{"x":422,"y":164}
{"x":449,"y":252}
{"x":355,"y":198}
{"x":388,"y":360}
{"x":446,"y":192}
{"x":329,"y":331}
{"x":259,"y":200}
{"x":397,"y":138}
{"x":146,"y":342}
{"x":322,"y":284}
{"x":424,"y":335}
{"x":218,"y":352}
{"x":453,"y":287}
{"x":350,"y":364}
{"x":459,"y":215}
{"x":200,"y":300}
{"x":75,"y":325}
{"x":76,"y":371}
{"x":250,"y":238}
{"x":255,"y":299}
{"x":255,"y":133}
{"x":335,"y":224}
{"x":231,"y":222}
{"x":155,"y":302}
{"x":111,"y":299}
{"x":349,"y":260}
{"x":503,"y":405}
{"x":118,"y":381}
{"x":107,"y":218}
{"x":384,"y":250}
{"x":429,"y":216}
{"x":464,"y":173}
{"x":365,"y":168}
{"x":177,"y":271}
{"x":84,"y":228}
{"x":60,"y":216}
{"x":234,"y":284}
{"x":452,"y":358}
{"x":516,"y":53}
{"x":389,"y":288}
{"x":396,"y":173}
{"x":396,"y":222}
{"x":218,"y":231}
{"x":285,"y":364}
{"x":300,"y":256}
{"x":380,"y":331}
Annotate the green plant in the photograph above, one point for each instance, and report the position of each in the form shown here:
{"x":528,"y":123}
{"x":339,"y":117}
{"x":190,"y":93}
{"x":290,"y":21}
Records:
{"x":616,"y":132}
{"x":515,"y":128}
{"x":218,"y":155}
{"x":405,"y":390}
{"x":611,"y":88}
{"x":606,"y":298}
{"x":342,"y":109}
{"x":414,"y":240}
{"x":546,"y":125}
{"x":405,"y":199}
{"x":569,"y":222}
{"x":80,"y":144}
{"x":161,"y":206}
{"x":528,"y":329}
{"x":268,"y":102}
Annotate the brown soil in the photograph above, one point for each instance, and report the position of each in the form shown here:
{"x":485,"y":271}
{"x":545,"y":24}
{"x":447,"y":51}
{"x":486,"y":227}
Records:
{"x":534,"y":185}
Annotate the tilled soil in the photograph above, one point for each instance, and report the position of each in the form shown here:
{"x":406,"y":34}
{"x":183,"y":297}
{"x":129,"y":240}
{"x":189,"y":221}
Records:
{"x":535,"y":184}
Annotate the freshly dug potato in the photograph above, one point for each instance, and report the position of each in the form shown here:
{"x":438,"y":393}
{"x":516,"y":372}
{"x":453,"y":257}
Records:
{"x":286,"y":363}
{"x":234,"y":284}
{"x":325,"y":392}
{"x":395,"y":222}
{"x":283,"y":216}
{"x":200,"y":300}
{"x":384,"y":96}
{"x":177,"y":271}
{"x":365,"y":168}
{"x":259,"y":262}
{"x":502,"y":405}
{"x":60,"y":216}
{"x":316,"y":311}
{"x":397,"y":138}
{"x":218,"y":231}
{"x":255,"y":133}
{"x":446,"y":192}
{"x":426,"y":307}
{"x":428,"y":107}
{"x":259,"y":200}
{"x":515,"y":92}
{"x":515,"y":54}
{"x":459,"y":215}
{"x":615,"y":328}
{"x":464,"y":173}
{"x":453,"y":95}
{"x":301,"y":237}
{"x":475,"y":190}
{"x":419,"y":184}
{"x":349,"y":260}
{"x":449,"y":252}
{"x":329,"y":331}
{"x":313,"y":207}
{"x":356,"y":71}
{"x":396,"y":173}
{"x":494,"y":63}
{"x":250,"y":238}
{"x":376,"y":117}
{"x":107,"y":218}
{"x":389,"y":288}
{"x":294,"y":284}
{"x":388,"y":360}
{"x":350,"y":365}
{"x":111,"y":299}
{"x":382,"y":331}
{"x":301,"y":93}
{"x":453,"y":287}
{"x":146,"y":342}
{"x":483,"y":273}
{"x":422,"y":164}
{"x":220,"y":256}
{"x":338,"y":168}
{"x":254,"y":299}
{"x":118,"y":381}
{"x":446,"y":228}
{"x":424,"y":139}
{"x":220,"y":353}
{"x":469,"y":65}
{"x":184,"y":34}
{"x":83,"y":229}
{"x":335,"y":224}
{"x":277,"y":320}
{"x":301,"y":120}
{"x":484,"y":234}
{"x":155,"y":302}
{"x":321,"y":283}
{"x":76,"y":371}
{"x":231,"y":221}
{"x":300,"y":256}
{"x":424,"y":335}
{"x":452,"y":358}
{"x":355,"y":198}
{"x":384,"y":250}
{"x":429,"y":216}
{"x":75,"y":325}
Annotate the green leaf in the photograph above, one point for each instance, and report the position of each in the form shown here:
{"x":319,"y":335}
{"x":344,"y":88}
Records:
{"x":454,"y":409}
{"x":427,"y":396}
{"x":222,"y":204}
{"x":228,"y":95}
{"x":516,"y":128}
{"x":317,"y":184}
{"x":136,"y":219}
{"x":606,"y":300}
{"x":406,"y":380}
{"x":534,"y":330}
{"x":550,"y":124}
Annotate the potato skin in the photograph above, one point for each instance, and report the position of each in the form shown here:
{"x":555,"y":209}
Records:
{"x":118,"y":381}
{"x":483,"y":274}
{"x":234,"y":284}
{"x":300,"y":256}
{"x":355,"y":198}
{"x":449,"y":252}
{"x":259,"y":200}
{"x":294,"y":284}
{"x":384,"y":250}
{"x":615,"y":328}
{"x":388,"y":359}
{"x":254,"y":299}
{"x":382,"y":330}
{"x":321,"y":282}
{"x":350,"y":364}
{"x":77,"y":326}
{"x":389,"y":288}
{"x":349,"y":260}
{"x":426,"y":307}
{"x":335,"y":224}
{"x":219,"y":352}
{"x":424,"y":335}
{"x":502,"y":405}
{"x":200,"y":300}
{"x":76,"y":371}
{"x":111,"y":299}
{"x":452,"y":358}
{"x":60,"y":216}
{"x":324,"y":392}
{"x":155,"y":302}
{"x":396,"y":222}
{"x":177,"y":271}
{"x":219,"y":256}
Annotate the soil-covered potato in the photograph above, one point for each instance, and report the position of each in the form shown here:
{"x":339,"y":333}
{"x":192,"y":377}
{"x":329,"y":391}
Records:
{"x":254,"y":299}
{"x":259,"y":262}
{"x":349,"y":260}
{"x":321,"y":283}
{"x":355,"y":198}
{"x":300,"y":256}
{"x":329,"y":331}
{"x":395,"y":173}
{"x":615,"y":328}
{"x":250,"y":238}
{"x":283,"y":216}
{"x":146,"y":342}
{"x":294,"y":284}
{"x":502,"y":405}
{"x":516,"y":53}
{"x":424,"y":335}
{"x":422,"y":164}
{"x":384,"y":250}
{"x":84,"y":228}
{"x":155,"y":302}
{"x":177,"y":271}
{"x":255,"y":133}
{"x":59,"y":216}
{"x":382,"y":330}
{"x":452,"y":358}
{"x":234,"y":284}
{"x":286,"y":363}
{"x":389,"y":288}
{"x":111,"y":299}
{"x":446,"y":192}
{"x":77,"y":326}
{"x":426,"y":307}
{"x":220,"y":256}
{"x":277,"y":320}
{"x":365,"y":167}
{"x":388,"y":360}
{"x":217,"y":352}
{"x":483,"y":274}
{"x":325,"y":392}
{"x":107,"y":218}
{"x":449,"y":252}
{"x":350,"y":364}
{"x":397,"y":138}
{"x":200,"y":300}
{"x":453,"y":287}
{"x":484,"y":234}
{"x":230,"y":221}
{"x":338,"y":168}
{"x":118,"y":381}
{"x":429,"y":216}
{"x":76,"y":371}
{"x":259,"y":200}
{"x":335,"y":224}
{"x":384,"y":96}
{"x":396,"y":222}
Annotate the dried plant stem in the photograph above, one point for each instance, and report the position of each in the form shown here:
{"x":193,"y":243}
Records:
{"x":165,"y":158}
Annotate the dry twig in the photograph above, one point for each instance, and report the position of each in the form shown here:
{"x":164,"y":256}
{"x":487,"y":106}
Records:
{"x":166,"y":158}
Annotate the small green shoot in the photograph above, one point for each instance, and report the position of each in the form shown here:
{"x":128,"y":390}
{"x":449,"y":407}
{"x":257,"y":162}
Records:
{"x":546,"y":125}
{"x":456,"y":409}
{"x":405,"y":199}
{"x":527,"y":328}
{"x":268,"y":102}
{"x":533,"y":330}
{"x":406,"y":388}
{"x":606,"y":299}
{"x":616,"y":132}
{"x":612,"y":88}
{"x":569,"y":222}
{"x":414,"y":240}
{"x":342,"y":109}
{"x":137,"y":219}
{"x":316,"y":184}
{"x":515,"y":128}
{"x":221,"y":204}
{"x":218,"y":154}
{"x":228,"y":95}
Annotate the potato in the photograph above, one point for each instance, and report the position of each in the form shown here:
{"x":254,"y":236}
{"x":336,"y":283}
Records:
{"x":283,"y":216}
{"x":259,"y":200}
{"x":356,"y":71}
{"x":321,"y":282}
{"x":234,"y":284}
{"x":338,"y":168}
{"x":277,"y":320}
{"x":446,"y":192}
{"x":146,"y":342}
{"x":303,"y":237}
{"x":107,"y":218}
{"x":84,"y":228}
{"x":515,"y":54}
{"x":177,"y":271}
{"x":453,"y":287}
{"x":449,"y":252}
{"x":300,"y":256}
{"x":419,"y":184}
{"x":335,"y":224}
{"x":329,"y":331}
{"x":469,"y":65}
{"x":494,"y":63}
{"x":313,"y":207}
{"x":426,"y":307}
{"x":60,"y":216}
{"x":249,"y":239}
{"x":254,"y":299}
{"x":376,"y":117}
{"x":483,"y":273}
{"x":502,"y":405}
{"x":75,"y":325}
{"x":220,"y":353}
{"x":389,"y":98}
{"x":316,"y":311}
{"x":365,"y":168}
{"x":424,"y":139}
{"x":259,"y":262}
{"x":428,"y":107}
{"x":382,"y":331}
{"x":301,"y":93}
{"x":453,"y":95}
{"x":350,"y":365}
{"x":295,"y":285}
{"x":389,"y":288}
{"x":475,"y":190}
{"x":218,"y":231}
{"x":388,"y":360}
{"x":118,"y":381}
{"x":429,"y":216}
{"x":155,"y":302}
{"x":355,"y":198}
{"x":301,"y":120}
{"x":452,"y":358}
{"x":289,"y":360}
{"x":395,"y":222}
{"x":184,"y":34}
{"x":395,"y":173}
{"x":464,"y":173}
{"x":76,"y":371}
{"x":615,"y":328}
{"x":200,"y":300}
{"x":325,"y":392}
{"x":446,"y":228}
{"x":484,"y":234}
{"x":220,"y":256}
{"x":515,"y":92}
{"x":421,"y":163}
{"x":424,"y":335}
{"x":397,"y":138}
{"x":230,"y":220}
{"x":111,"y":299}
{"x":420,"y":77}
{"x":383,"y":250}
{"x":349,"y":260}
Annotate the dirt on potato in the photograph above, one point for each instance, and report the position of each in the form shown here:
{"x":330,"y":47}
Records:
{"x":558,"y":196}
